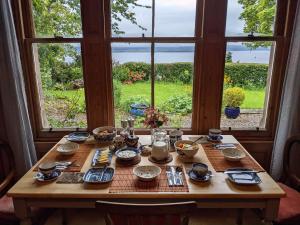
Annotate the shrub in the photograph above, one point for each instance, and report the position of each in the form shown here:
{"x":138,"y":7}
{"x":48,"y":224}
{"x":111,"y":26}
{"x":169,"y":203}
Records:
{"x":247,"y":75}
{"x":234,"y":97}
{"x":140,"y":68}
{"x":181,"y":104}
{"x":125,"y":106}
{"x":117,"y":92}
{"x":121,"y":73}
{"x":174,"y":72}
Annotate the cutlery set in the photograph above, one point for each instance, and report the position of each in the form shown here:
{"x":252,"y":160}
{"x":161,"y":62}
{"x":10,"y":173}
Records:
{"x":174,"y":175}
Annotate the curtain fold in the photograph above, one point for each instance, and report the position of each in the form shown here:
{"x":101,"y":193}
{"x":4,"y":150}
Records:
{"x":13,"y":97}
{"x":289,"y":116}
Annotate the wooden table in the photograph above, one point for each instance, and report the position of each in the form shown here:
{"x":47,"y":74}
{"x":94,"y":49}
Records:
{"x":218,"y":193}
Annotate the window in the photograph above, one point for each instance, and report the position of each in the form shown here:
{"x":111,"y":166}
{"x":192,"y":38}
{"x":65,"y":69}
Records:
{"x":90,"y":63}
{"x":151,"y":73}
{"x":248,"y":64}
{"x":58,"y":65}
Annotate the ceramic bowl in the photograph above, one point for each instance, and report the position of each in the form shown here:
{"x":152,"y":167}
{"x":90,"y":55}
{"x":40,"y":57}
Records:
{"x":67,"y":148}
{"x":233,"y":154}
{"x":147,"y":173}
{"x":127,"y":153}
{"x":104,"y":134}
{"x":188,"y":152}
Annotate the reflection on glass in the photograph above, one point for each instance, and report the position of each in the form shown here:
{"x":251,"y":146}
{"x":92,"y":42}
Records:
{"x":247,"y":76}
{"x":245,"y":17}
{"x":131,"y":18}
{"x":175,"y":18}
{"x":131,"y":80}
{"x":173,"y":82}
{"x":58,"y":70}
{"x":61,"y":18}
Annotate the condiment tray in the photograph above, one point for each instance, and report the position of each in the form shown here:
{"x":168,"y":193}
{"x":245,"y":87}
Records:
{"x":99,"y":175}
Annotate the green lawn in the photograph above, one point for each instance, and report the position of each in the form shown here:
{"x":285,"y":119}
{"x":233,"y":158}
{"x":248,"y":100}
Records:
{"x":162,"y":90}
{"x":254,"y":99}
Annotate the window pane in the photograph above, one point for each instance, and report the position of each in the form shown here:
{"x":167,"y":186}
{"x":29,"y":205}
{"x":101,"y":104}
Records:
{"x":131,"y":79}
{"x":247,"y":76}
{"x":175,"y":18}
{"x":131,"y":19}
{"x":57,"y":17}
{"x":174,"y":65}
{"x":244,"y":17}
{"x":60,"y":83}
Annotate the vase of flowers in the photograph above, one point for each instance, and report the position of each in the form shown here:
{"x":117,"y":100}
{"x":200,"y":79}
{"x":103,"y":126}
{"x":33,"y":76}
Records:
{"x":154,"y":120}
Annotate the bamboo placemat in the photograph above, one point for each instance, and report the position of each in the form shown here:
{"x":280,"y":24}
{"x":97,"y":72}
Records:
{"x":125,"y":181}
{"x":220,"y":164}
{"x":79,"y":157}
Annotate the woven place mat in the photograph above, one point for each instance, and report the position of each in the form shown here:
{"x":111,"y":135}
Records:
{"x":125,"y":181}
{"x":79,"y":158}
{"x":70,"y":178}
{"x":220,"y":164}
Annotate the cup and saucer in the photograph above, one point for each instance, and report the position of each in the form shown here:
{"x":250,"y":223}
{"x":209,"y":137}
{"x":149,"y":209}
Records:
{"x":214,"y":135}
{"x":199,"y":172}
{"x":47,"y":172}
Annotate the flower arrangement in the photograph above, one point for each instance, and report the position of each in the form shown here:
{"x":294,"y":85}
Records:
{"x":154,"y":118}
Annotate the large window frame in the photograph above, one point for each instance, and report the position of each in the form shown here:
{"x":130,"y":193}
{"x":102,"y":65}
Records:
{"x":209,"y":39}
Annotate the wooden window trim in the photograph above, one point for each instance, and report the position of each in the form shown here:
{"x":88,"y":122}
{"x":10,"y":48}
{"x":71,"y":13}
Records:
{"x":209,"y":40}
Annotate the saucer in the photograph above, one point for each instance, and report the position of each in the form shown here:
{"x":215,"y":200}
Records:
{"x":42,"y":178}
{"x":194,"y":177}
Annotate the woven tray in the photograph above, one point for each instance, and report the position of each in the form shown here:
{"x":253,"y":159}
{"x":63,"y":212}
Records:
{"x":79,"y":157}
{"x":220,"y":164}
{"x":125,"y":181}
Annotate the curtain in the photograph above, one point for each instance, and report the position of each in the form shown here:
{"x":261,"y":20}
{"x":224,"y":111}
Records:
{"x":13,"y":98}
{"x":289,"y":117}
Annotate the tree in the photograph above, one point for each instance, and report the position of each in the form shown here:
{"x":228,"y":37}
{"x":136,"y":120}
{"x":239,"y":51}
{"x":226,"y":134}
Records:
{"x":228,"y":57}
{"x":62,"y":18}
{"x":259,"y":16}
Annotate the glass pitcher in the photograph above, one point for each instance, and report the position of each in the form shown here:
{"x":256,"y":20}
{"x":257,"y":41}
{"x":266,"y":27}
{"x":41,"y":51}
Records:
{"x":160,"y":146}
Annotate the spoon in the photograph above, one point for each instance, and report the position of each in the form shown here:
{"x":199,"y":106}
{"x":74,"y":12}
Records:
{"x":197,"y":140}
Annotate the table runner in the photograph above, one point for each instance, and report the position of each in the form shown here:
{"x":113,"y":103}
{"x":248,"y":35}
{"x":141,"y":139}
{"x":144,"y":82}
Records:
{"x":79,"y":157}
{"x":220,"y":164}
{"x":125,"y":181}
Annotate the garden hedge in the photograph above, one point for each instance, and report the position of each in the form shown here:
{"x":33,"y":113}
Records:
{"x":246,"y":75}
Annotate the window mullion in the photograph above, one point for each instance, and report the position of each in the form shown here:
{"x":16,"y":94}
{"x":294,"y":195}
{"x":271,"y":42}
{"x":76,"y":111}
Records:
{"x":152,"y":56}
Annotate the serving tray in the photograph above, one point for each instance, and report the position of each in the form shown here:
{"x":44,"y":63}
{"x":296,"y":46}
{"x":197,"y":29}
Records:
{"x":99,"y":175}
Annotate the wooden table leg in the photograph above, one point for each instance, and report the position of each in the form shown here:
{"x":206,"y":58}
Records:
{"x":271,"y":211}
{"x":22,"y":211}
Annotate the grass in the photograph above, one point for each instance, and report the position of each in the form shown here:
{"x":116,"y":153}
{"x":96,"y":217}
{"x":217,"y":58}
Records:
{"x":162,"y":90}
{"x":254,"y":99}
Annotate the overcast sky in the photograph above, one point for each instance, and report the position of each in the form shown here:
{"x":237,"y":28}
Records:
{"x":176,"y":18}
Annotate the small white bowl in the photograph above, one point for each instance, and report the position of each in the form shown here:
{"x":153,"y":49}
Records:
{"x":147,"y":173}
{"x":190,"y":152}
{"x":68,"y":148}
{"x":233,"y":154}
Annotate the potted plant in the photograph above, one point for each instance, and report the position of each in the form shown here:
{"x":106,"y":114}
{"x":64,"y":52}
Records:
{"x":233,"y":98}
